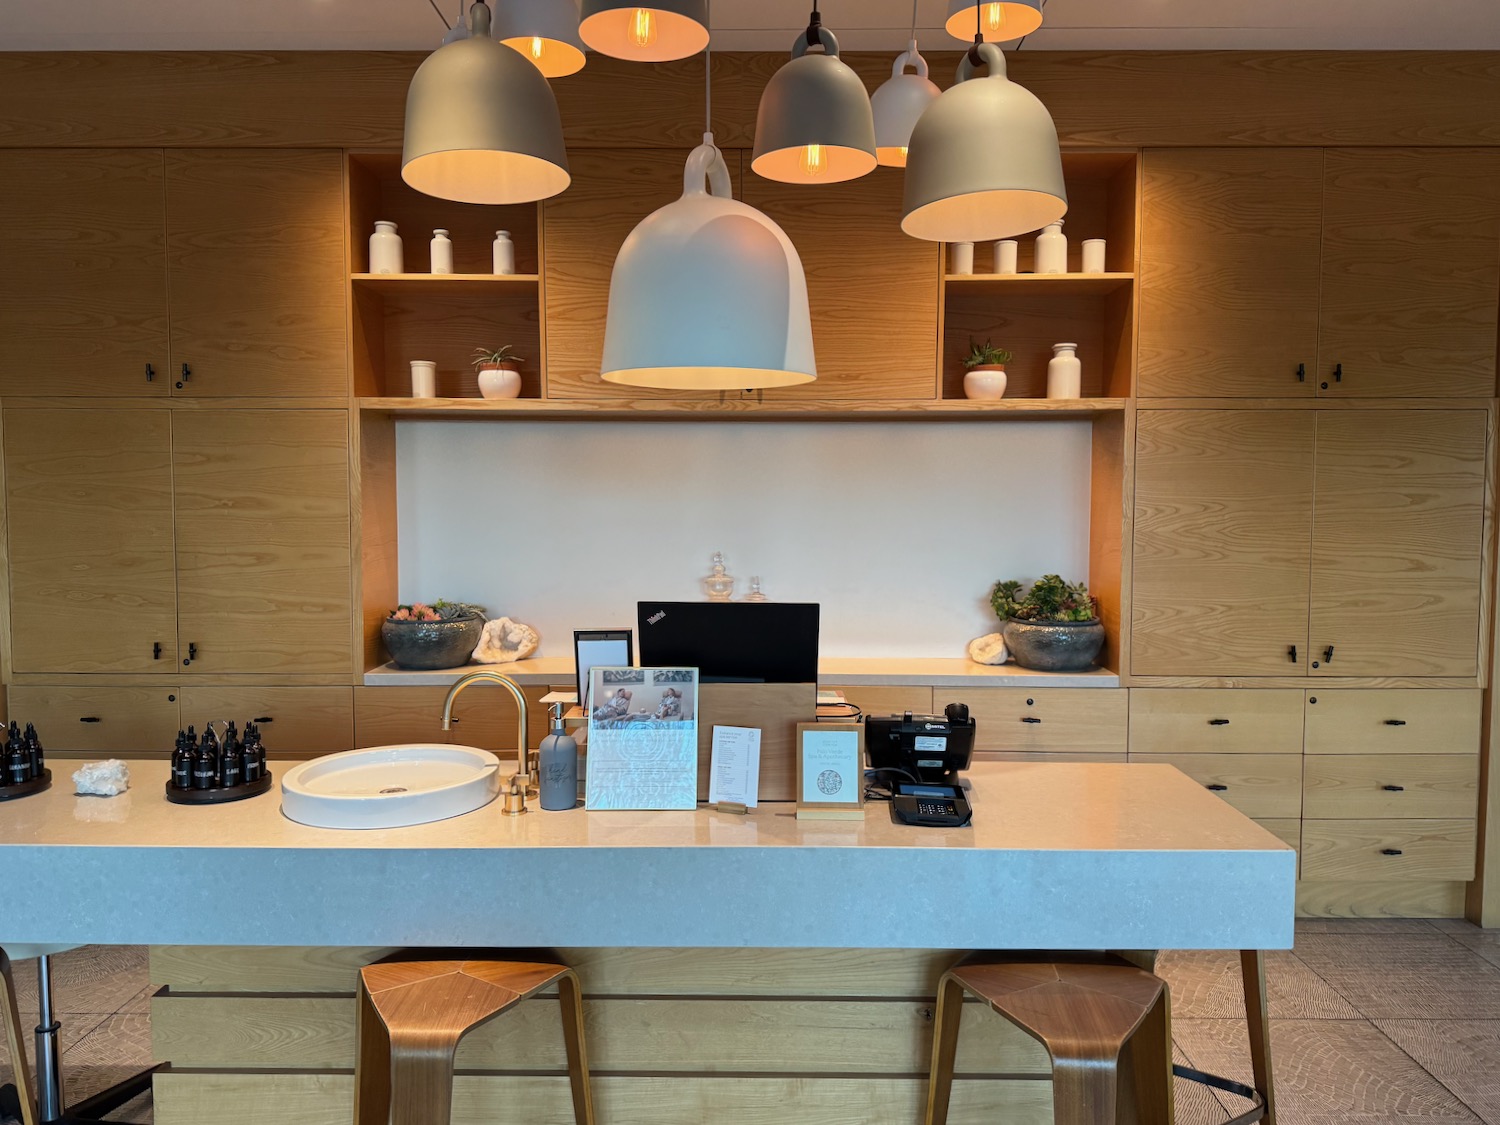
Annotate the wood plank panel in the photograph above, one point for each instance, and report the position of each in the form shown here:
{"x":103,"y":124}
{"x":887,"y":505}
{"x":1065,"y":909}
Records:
{"x":890,"y":700}
{"x":1223,"y":527}
{"x":1286,"y":829}
{"x":446,"y":329}
{"x":83,"y":295}
{"x":1215,"y":721}
{"x":484,"y":716}
{"x":1364,"y":899}
{"x":1259,"y":785}
{"x":1397,"y":542}
{"x":1392,"y":721}
{"x":139,"y":720}
{"x":187,"y":1098}
{"x":1052,"y":720}
{"x":1229,"y":272}
{"x":256,"y":272}
{"x":1341,"y":786}
{"x":263,"y":540}
{"x":93,"y":582}
{"x":1357,"y":850}
{"x":775,"y":709}
{"x":1411,"y":262}
{"x":293,"y":720}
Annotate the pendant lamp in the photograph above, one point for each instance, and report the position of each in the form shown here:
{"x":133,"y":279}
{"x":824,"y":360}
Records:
{"x":658,"y":31}
{"x":815,"y":125}
{"x":544,"y":31}
{"x":482,"y":125}
{"x":997,"y":21}
{"x":984,"y":161}
{"x":898,"y":103}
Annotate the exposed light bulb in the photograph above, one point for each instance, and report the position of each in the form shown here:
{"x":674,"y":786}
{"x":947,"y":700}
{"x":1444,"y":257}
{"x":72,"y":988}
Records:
{"x":537,"y":47}
{"x":814,"y":161}
{"x":903,"y":152}
{"x":643,"y":27}
{"x":995,"y":16}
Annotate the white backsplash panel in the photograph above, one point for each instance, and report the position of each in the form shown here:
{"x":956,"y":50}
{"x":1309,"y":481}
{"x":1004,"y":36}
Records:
{"x":898,"y":530}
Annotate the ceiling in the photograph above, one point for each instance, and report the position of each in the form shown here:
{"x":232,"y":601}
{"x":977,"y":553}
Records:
{"x":744,"y":25}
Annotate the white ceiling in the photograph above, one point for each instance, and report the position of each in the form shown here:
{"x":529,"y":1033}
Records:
{"x":92,"y":25}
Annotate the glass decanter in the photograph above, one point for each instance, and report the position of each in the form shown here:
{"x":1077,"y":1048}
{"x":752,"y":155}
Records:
{"x":718,"y":585}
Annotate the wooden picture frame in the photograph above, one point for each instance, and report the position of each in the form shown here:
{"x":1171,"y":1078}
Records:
{"x":837,"y":749}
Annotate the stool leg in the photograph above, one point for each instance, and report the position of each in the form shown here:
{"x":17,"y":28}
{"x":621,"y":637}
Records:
{"x":16,"y":1041}
{"x":372,"y":1073}
{"x":571,"y":997}
{"x":1258,"y":1023}
{"x":422,"y":1076}
{"x":950,"y":1009}
{"x":1145,"y":1095}
{"x":1084,"y":1090}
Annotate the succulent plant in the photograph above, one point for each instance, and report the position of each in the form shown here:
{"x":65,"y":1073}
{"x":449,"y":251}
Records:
{"x":494,"y":357}
{"x":1049,"y":599}
{"x":986,"y":355}
{"x":439,"y":610}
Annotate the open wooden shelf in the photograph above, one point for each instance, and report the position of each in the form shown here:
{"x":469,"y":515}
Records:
{"x":1040,"y":284}
{"x":443,"y":283}
{"x":479,"y":409}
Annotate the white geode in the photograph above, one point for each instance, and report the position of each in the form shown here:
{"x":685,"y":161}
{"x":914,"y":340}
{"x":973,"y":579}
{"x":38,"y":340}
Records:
{"x":988,"y":649}
{"x":504,"y":641}
{"x":102,"y":779}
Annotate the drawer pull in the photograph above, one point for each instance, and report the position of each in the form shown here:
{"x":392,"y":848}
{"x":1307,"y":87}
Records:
{"x":1292,"y":653}
{"x":1328,"y":655}
{"x":1390,"y":851}
{"x":90,"y":719}
{"x":1030,"y":719}
{"x":1394,"y":788}
{"x":263,"y":719}
{"x":1217,"y":788}
{"x":1395,"y":722}
{"x":156,"y":651}
{"x":1218,"y":722}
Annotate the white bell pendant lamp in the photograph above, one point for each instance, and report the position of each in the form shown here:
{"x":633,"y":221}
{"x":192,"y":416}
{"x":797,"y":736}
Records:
{"x":984,"y":161}
{"x":898,"y":103}
{"x":482,"y":125}
{"x":996,"y":21}
{"x":708,"y":294}
{"x":657,"y":31}
{"x":544,"y":31}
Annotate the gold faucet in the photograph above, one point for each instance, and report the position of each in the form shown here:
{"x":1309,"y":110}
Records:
{"x":515,"y":798}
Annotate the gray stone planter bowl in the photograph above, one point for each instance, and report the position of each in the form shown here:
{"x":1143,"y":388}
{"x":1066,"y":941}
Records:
{"x":1054,"y":646}
{"x":426,"y":645}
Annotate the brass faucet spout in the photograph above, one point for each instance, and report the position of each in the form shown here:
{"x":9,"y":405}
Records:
{"x":523,"y":765}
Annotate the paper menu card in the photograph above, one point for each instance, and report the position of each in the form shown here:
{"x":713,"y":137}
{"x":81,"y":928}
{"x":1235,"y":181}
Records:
{"x":734,"y":768}
{"x":643,"y":739}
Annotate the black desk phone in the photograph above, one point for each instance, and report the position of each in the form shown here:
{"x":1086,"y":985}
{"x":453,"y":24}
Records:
{"x":932,"y":806}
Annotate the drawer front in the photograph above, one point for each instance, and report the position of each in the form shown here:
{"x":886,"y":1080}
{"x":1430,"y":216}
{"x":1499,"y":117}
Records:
{"x":1259,"y":785}
{"x":1393,"y":721}
{"x":1286,"y":829}
{"x":135,"y":720}
{"x":1388,"y":849}
{"x":293,"y":720}
{"x":1058,"y":720}
{"x":886,"y":700}
{"x":1345,"y":787}
{"x":1215,"y":721}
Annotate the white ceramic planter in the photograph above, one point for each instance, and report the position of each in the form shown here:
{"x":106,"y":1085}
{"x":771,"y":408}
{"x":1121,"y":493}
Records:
{"x":500,"y":382}
{"x":985,"y":383}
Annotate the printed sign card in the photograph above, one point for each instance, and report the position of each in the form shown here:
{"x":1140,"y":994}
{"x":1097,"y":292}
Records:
{"x":643,"y":738}
{"x":734,"y":767}
{"x":830,"y":771}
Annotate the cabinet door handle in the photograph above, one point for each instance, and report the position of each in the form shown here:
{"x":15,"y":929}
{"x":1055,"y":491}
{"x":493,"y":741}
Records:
{"x":1338,"y":372}
{"x":1390,"y":851}
{"x":192,"y":654}
{"x":1030,"y":719}
{"x":150,"y":373}
{"x":1301,"y":372}
{"x":156,"y":651}
{"x":187,"y":373}
{"x":1395,"y":722}
{"x":263,"y":719}
{"x":1217,"y":788}
{"x":1218,"y":722}
{"x":1394,"y":788}
{"x":90,"y":719}
{"x":1328,"y":655}
{"x":1292,"y":653}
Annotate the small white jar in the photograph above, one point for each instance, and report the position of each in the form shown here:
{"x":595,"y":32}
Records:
{"x":1052,"y":249}
{"x":442,"y":252}
{"x":1005,"y":256}
{"x":423,"y":378}
{"x":1093,"y":255}
{"x":961,"y":258}
{"x":385,"y":248}
{"x":503,"y":251}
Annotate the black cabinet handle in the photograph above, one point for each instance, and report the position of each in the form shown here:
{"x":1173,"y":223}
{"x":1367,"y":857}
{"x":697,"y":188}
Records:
{"x":1328,"y":655}
{"x":156,"y":651}
{"x":150,"y":373}
{"x":90,"y":719}
{"x":1395,"y":722}
{"x":1217,"y":788}
{"x":1218,"y":722}
{"x":1390,"y":851}
{"x":1338,"y":372}
{"x":187,"y":373}
{"x":263,"y":719}
{"x":1394,"y":788}
{"x":1301,"y":372}
{"x":1030,"y":719}
{"x":191,"y":656}
{"x":1292,"y":653}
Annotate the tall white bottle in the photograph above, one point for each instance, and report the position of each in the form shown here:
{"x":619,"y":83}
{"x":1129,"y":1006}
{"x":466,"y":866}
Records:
{"x":1052,"y":249}
{"x":1064,"y":372}
{"x":504,"y":252}
{"x":385,"y":249}
{"x":442,"y":252}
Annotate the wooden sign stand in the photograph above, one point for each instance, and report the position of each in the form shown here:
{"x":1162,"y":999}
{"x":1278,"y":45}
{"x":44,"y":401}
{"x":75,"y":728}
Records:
{"x":840,"y":746}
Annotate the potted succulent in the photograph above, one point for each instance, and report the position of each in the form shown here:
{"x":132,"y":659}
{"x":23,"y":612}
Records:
{"x":440,"y":635}
{"x":499,"y":372}
{"x":984,"y":371}
{"x":1053,"y":628}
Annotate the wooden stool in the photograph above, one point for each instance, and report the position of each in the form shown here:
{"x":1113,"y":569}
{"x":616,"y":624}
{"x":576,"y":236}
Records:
{"x":412,"y":1015}
{"x":15,"y":1040}
{"x":1083,"y":1009}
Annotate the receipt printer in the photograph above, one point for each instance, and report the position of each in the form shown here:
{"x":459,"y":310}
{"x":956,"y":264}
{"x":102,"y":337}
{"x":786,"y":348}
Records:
{"x":931,"y":749}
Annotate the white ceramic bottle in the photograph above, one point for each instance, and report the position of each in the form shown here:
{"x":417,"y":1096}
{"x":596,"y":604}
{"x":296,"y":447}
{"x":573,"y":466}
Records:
{"x":442,"y":252}
{"x":1005,"y":256}
{"x":961,"y":258}
{"x":385,"y":249}
{"x":1052,"y":249}
{"x":503,"y":251}
{"x":1064,"y":372}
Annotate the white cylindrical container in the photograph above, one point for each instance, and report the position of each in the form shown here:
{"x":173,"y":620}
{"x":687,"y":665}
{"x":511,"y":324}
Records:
{"x":1093,"y":255}
{"x":442,"y":252}
{"x":1051,"y":249}
{"x":385,"y":249}
{"x":1064,"y":372}
{"x":423,"y":378}
{"x":503,"y":250}
{"x":961,"y":257}
{"x":1005,"y":256}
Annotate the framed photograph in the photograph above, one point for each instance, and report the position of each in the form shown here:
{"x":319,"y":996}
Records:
{"x":830,"y":771}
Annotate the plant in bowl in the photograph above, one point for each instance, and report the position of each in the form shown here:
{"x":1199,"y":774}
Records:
{"x":984,"y":371}
{"x":499,"y":372}
{"x":440,"y":635}
{"x":1053,"y":627}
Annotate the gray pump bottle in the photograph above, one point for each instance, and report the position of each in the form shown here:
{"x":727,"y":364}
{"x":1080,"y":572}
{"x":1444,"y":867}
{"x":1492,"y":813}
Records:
{"x":557,"y":765}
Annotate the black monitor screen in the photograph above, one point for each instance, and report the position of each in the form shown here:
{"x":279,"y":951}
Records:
{"x":732,"y":642}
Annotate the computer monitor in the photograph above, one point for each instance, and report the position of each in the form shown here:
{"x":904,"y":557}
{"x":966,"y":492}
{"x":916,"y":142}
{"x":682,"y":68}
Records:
{"x":732,"y":642}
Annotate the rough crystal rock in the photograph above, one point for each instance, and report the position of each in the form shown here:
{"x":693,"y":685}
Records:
{"x":988,"y":649}
{"x":504,"y":641}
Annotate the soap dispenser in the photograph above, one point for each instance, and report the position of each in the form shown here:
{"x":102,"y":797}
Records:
{"x":557,"y":762}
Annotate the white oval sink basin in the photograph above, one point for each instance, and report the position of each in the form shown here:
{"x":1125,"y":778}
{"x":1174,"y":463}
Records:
{"x":390,"y":786}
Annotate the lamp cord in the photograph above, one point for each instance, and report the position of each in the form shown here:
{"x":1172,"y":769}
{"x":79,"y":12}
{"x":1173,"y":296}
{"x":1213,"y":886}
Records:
{"x":708,"y":70}
{"x":814,"y":25}
{"x":913,"y":21}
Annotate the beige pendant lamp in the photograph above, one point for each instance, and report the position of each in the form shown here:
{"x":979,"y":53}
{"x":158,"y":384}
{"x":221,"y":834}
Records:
{"x":659,"y":31}
{"x":997,"y":21}
{"x":900,"y":102}
{"x":545,"y":32}
{"x":984,"y":161}
{"x":815,"y":125}
{"x":481,"y":124}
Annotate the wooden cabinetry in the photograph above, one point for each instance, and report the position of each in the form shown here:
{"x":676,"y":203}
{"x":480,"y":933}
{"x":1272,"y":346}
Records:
{"x":293,"y":720}
{"x":99,"y":719}
{"x":386,"y":716}
{"x":1384,"y":721}
{"x":1047,"y":721}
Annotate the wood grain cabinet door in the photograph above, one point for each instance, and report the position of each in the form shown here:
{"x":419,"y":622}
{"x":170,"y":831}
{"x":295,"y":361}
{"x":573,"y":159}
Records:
{"x":1229,"y":272}
{"x":263,"y":547}
{"x":1223,"y":529}
{"x":83,"y":294}
{"x":1397,"y":539}
{"x":88,"y":496}
{"x":140,"y":721}
{"x":1411,"y":257}
{"x":257,"y":275}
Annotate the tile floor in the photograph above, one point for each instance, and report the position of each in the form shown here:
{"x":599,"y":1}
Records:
{"x":1372,"y":1021}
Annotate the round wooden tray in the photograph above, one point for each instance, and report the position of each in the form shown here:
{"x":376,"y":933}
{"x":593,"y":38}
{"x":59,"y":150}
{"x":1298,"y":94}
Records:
{"x":219,"y":796}
{"x":26,"y":788}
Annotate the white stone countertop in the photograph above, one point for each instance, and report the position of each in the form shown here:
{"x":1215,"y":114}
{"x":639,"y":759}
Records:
{"x":1059,"y":856}
{"x":832,"y":672}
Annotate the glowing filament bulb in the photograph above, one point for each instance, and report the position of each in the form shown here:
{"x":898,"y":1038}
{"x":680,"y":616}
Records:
{"x":994,"y":16}
{"x":536,"y":47}
{"x":814,"y":162}
{"x":903,"y":152}
{"x":643,"y":27}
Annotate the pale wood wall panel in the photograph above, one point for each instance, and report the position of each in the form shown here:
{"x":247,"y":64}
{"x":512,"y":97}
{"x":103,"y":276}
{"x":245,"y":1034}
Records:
{"x":1259,"y":785}
{"x":1431,"y":851}
{"x":1364,"y":899}
{"x":482,"y":716}
{"x":293,"y":720}
{"x":1404,"y":786}
{"x":1079,"y":720}
{"x":83,"y":292}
